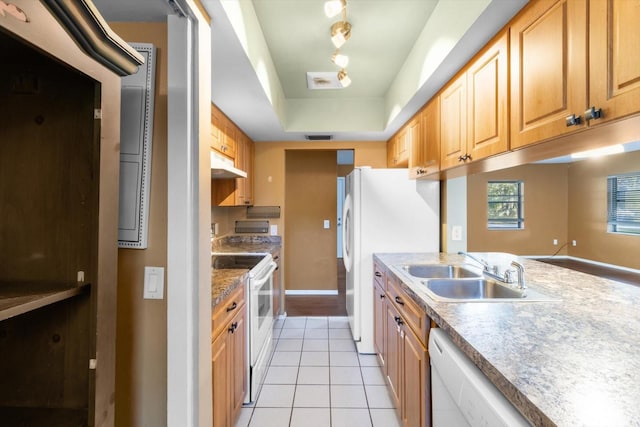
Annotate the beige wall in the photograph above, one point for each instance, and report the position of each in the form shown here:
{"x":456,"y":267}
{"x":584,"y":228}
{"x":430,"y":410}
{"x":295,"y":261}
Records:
{"x":545,"y":211}
{"x":141,"y":360}
{"x":269,"y":173}
{"x":588,"y":211}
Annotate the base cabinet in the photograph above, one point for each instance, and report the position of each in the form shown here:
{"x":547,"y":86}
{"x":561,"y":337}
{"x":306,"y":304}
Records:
{"x":400,"y":340}
{"x":228,"y":359}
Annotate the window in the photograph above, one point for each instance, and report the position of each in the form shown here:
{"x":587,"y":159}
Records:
{"x":623,"y":207}
{"x":505,"y":205}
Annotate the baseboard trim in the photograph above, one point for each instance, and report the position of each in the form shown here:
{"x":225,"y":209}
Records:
{"x":310,"y":292}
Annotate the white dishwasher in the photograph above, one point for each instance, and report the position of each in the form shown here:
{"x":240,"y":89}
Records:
{"x":462,"y":395}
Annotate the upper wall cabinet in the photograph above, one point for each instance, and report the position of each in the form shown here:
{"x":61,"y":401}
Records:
{"x":424,"y":158}
{"x":614,"y":59}
{"x":548,"y":70}
{"x":398,"y":149}
{"x":473,"y":116}
{"x":223,"y":133}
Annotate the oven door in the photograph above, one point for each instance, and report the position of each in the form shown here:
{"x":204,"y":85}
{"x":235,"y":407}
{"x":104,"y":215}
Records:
{"x":261,"y":328}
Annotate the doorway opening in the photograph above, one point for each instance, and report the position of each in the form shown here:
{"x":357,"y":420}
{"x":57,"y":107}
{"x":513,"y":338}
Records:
{"x":315,"y":274}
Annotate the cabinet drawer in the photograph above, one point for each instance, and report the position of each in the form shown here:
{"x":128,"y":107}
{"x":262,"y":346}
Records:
{"x":379,"y":275}
{"x":225,"y":311}
{"x":412,"y":314}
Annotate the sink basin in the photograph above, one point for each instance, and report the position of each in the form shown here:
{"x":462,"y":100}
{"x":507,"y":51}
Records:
{"x":479,"y":290}
{"x":471,"y":289}
{"x":436,"y":271}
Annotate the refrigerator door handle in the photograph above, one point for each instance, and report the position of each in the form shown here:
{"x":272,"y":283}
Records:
{"x":347,"y":233}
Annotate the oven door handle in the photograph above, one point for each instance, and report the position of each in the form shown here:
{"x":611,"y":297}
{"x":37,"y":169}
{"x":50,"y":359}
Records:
{"x":259,"y":282}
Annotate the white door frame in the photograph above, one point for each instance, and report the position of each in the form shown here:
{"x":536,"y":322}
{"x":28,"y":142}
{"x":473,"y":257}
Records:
{"x":188,"y":219}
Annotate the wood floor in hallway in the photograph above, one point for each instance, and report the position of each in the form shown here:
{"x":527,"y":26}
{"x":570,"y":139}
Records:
{"x":320,"y":305}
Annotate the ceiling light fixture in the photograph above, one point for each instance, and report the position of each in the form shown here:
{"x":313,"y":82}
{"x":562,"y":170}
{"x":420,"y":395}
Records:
{"x":340,"y":60}
{"x":340,"y":33}
{"x":343,"y":78}
{"x":334,"y":7}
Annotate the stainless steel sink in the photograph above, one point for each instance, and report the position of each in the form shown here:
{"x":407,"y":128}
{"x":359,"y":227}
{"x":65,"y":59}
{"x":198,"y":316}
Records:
{"x":436,"y":271}
{"x":479,"y":290}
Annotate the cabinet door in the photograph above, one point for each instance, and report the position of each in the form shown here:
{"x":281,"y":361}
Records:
{"x":393,"y":352}
{"x":220,"y":372}
{"x":379,"y":316}
{"x":216,"y":134}
{"x":229,"y":142}
{"x":430,"y":133}
{"x":237,"y":372}
{"x":402,"y":148}
{"x":614,"y":62}
{"x":453,"y":122}
{"x":487,"y":87}
{"x":277,"y":285}
{"x":416,"y":386}
{"x":548,"y":70}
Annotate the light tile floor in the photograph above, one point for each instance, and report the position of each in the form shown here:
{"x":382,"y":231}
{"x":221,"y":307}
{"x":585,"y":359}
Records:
{"x":317,"y":379}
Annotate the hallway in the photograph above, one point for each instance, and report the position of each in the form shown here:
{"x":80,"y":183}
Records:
{"x":320,"y":305}
{"x":317,"y":379}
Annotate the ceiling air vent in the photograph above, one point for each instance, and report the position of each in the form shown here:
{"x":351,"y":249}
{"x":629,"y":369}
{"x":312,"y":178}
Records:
{"x":319,"y":137}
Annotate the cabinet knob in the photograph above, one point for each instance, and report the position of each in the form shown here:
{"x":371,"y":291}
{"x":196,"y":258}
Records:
{"x":593,"y":113}
{"x":381,"y":296}
{"x":233,"y":327}
{"x":399,"y":300}
{"x":398,"y":320}
{"x":573,"y":120}
{"x":462,"y":158}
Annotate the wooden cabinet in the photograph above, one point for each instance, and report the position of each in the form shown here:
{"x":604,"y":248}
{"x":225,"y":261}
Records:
{"x":453,"y":123}
{"x":614,"y":62}
{"x":233,"y":191}
{"x":59,"y":162}
{"x":424,"y":158}
{"x":400,"y":335}
{"x":379,"y":307}
{"x":223,"y":133}
{"x":548,"y":70}
{"x":474,"y":108}
{"x":228,"y":358}
{"x":398,"y":149}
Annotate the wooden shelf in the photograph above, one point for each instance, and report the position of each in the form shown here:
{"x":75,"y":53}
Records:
{"x":51,"y":417}
{"x":21,"y":297}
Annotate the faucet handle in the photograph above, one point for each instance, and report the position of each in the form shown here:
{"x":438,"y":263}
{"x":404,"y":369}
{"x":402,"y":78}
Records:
{"x":508,"y":275}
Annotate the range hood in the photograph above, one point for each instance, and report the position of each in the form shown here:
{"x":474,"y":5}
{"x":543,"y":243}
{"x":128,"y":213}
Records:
{"x":223,"y":168}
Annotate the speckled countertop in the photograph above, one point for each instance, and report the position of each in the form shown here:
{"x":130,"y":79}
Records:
{"x":225,"y":281}
{"x":572,"y":362}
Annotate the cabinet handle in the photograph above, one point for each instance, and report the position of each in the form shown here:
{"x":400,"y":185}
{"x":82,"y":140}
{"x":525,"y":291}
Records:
{"x":592,"y":113}
{"x":381,"y":296}
{"x":233,"y":327}
{"x":398,"y":320}
{"x":399,"y":300}
{"x":462,"y":158}
{"x":573,"y":120}
{"x":378,"y":274}
{"x":232,"y":307}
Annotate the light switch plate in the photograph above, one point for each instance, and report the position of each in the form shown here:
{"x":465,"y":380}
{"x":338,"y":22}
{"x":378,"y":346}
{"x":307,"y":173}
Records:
{"x":153,"y":282}
{"x":456,"y":232}
{"x":327,"y":224}
{"x":273,"y":229}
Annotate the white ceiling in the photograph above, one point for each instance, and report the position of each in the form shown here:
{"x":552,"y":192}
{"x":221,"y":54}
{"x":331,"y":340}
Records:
{"x":392,"y":62}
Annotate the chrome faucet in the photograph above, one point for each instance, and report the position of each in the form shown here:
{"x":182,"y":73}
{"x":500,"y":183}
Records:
{"x":493,"y":270}
{"x":520,"y":268}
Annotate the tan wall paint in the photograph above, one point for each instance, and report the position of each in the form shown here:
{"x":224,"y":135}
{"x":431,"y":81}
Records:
{"x":588,"y":211}
{"x":310,"y":250}
{"x":545,"y":211}
{"x":141,"y":360}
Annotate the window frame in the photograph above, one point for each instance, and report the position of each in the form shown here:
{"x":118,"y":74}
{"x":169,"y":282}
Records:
{"x":631,"y":228}
{"x":508,"y":224}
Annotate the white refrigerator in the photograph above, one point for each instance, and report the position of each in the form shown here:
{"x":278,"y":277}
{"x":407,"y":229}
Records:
{"x":384,"y":211}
